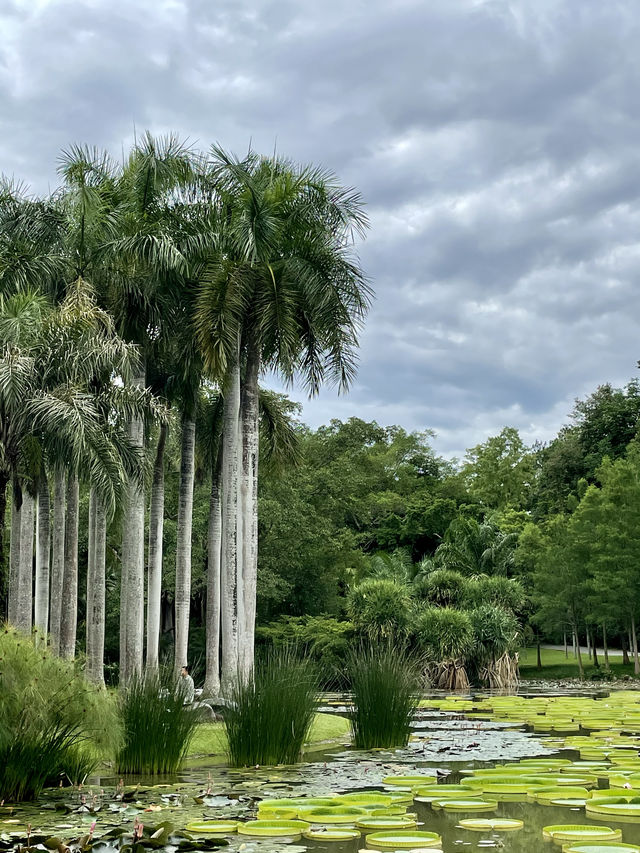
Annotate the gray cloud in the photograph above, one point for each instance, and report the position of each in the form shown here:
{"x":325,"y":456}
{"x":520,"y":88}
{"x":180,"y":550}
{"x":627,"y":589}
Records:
{"x":495,"y":143}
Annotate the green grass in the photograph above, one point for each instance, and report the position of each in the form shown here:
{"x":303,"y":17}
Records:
{"x":555,"y":666}
{"x":210,"y":738}
{"x":157,"y":726}
{"x":270,"y":714}
{"x":384,"y":686}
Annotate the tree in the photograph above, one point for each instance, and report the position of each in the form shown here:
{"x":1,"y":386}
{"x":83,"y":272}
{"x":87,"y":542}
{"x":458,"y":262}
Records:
{"x":280,"y":292}
{"x":471,"y":547}
{"x":143,"y":264}
{"x":500,"y":471}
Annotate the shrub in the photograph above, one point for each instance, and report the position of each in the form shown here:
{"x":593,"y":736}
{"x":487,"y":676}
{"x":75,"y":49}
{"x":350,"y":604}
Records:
{"x":497,"y":590}
{"x":322,"y":638}
{"x":271,"y":713}
{"x":442,"y":587}
{"x":53,"y":723}
{"x":444,"y":634}
{"x":379,"y":607}
{"x":496,"y":632}
{"x":384,"y":683}
{"x":157,"y":726}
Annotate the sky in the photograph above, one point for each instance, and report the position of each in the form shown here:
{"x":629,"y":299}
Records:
{"x":495,"y":143}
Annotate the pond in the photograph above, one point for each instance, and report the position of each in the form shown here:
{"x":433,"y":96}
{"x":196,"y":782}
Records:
{"x":594,"y":740}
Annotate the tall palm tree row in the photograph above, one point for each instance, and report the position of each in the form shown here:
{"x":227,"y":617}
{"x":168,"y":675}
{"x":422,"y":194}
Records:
{"x":175,"y":279}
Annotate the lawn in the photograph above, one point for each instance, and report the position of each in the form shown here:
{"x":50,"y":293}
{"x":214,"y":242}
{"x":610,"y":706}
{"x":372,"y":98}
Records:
{"x":556,"y":666}
{"x":210,"y":738}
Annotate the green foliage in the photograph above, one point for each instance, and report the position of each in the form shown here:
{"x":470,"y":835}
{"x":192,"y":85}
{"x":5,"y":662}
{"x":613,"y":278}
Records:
{"x":443,"y":634}
{"x":384,"y":684}
{"x":500,"y":471}
{"x":157,"y":726}
{"x":52,"y":721}
{"x":473,"y":547}
{"x":496,"y":631}
{"x":498,"y":590}
{"x":322,"y":638}
{"x":379,"y":607}
{"x":271,"y":713}
{"x":441,"y":587}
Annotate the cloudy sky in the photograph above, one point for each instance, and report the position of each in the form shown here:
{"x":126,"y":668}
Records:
{"x":496,"y":143}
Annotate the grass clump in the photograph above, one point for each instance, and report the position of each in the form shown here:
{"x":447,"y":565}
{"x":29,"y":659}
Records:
{"x":271,"y":713}
{"x":384,"y":684}
{"x":53,"y":723}
{"x":157,"y":726}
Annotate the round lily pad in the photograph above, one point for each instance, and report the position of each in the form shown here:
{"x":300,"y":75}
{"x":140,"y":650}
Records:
{"x":601,"y":847}
{"x":277,"y":813}
{"x":346,"y":834}
{"x":220,"y":827}
{"x":480,"y":824}
{"x":580,"y":832}
{"x":467,"y":805}
{"x":403,"y":839}
{"x":332,"y":814}
{"x":386,"y":822}
{"x":273,"y":828}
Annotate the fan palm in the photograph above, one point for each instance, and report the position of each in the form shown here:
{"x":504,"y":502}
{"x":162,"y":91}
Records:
{"x":471,"y":547}
{"x":281,"y":291}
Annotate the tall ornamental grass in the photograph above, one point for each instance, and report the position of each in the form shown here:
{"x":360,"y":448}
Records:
{"x":384,"y":684}
{"x":157,"y":727}
{"x":54,"y":725}
{"x":271,"y":713}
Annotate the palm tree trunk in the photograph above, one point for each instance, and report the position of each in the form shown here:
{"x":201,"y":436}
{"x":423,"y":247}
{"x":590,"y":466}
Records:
{"x":4,"y":577}
{"x":214,"y":542}
{"x":154,"y":572}
{"x":96,"y":590}
{"x":132,"y":584}
{"x":91,"y":569}
{"x":248,"y":490}
{"x":230,"y":593}
{"x":183,"y":542}
{"x":57,"y":558}
{"x":24,"y":603}
{"x":14,"y":552}
{"x":69,"y":614}
{"x":43,"y":551}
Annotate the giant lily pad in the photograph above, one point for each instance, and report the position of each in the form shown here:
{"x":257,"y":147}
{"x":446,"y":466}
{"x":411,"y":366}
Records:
{"x":403,"y":840}
{"x":479,"y":824}
{"x":273,"y":828}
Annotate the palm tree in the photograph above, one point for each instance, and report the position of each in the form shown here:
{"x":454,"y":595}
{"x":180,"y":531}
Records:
{"x":281,"y":291}
{"x":472,"y":548}
{"x":141,"y":261}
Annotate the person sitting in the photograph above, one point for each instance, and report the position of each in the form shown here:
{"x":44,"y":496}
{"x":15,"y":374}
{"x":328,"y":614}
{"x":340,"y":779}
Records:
{"x":186,"y":686}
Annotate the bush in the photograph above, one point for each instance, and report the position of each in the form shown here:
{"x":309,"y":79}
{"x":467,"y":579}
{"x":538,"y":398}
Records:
{"x":379,"y":607}
{"x":444,"y":634}
{"x":271,"y":713}
{"x":496,"y":632}
{"x":497,"y":590}
{"x":157,"y":726}
{"x":442,"y":587}
{"x":322,"y":638}
{"x":384,"y":682}
{"x":53,"y":723}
